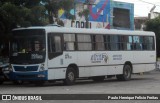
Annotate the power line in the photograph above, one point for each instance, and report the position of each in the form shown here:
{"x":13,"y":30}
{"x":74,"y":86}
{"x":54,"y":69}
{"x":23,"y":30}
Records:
{"x":149,"y":3}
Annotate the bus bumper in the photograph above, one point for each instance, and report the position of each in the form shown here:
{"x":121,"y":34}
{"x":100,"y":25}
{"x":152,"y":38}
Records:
{"x":29,"y":76}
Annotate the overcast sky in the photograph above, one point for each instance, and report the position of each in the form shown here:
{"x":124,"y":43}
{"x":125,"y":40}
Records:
{"x":141,"y":8}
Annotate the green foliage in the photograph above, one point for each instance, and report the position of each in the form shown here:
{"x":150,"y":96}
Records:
{"x":154,"y":25}
{"x":24,"y":13}
{"x":38,"y":16}
{"x":21,"y":13}
{"x":12,"y":16}
{"x":85,"y":12}
{"x":53,"y":6}
{"x":67,"y":5}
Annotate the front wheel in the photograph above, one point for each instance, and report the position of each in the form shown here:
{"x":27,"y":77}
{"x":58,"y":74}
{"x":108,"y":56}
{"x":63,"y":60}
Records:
{"x":127,"y":70}
{"x":70,"y":76}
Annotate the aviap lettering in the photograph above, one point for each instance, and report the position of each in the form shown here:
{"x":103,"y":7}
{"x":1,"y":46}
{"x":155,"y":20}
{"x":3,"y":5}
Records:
{"x":99,"y":58}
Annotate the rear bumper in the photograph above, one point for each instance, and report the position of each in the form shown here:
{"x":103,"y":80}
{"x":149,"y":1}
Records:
{"x":29,"y":76}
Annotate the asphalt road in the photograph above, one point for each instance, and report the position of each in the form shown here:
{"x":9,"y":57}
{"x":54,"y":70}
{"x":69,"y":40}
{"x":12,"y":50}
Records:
{"x":148,"y":83}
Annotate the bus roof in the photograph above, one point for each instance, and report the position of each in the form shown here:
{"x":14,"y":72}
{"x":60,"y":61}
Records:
{"x":50,"y":29}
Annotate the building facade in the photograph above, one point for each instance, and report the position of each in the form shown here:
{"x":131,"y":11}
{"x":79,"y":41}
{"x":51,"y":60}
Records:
{"x":106,"y":14}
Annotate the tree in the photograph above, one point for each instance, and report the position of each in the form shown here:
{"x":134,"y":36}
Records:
{"x":38,"y":16}
{"x":154,"y":25}
{"x":67,"y":5}
{"x":53,"y":6}
{"x":86,"y":12}
{"x":11,"y":16}
{"x":21,"y":13}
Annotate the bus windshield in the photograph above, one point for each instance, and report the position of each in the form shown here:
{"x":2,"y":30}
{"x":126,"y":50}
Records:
{"x":27,"y":48}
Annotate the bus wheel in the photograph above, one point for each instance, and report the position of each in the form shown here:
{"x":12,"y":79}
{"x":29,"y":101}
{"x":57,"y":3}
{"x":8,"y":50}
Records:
{"x":98,"y":78}
{"x":126,"y":73}
{"x":18,"y":82}
{"x":70,"y":76}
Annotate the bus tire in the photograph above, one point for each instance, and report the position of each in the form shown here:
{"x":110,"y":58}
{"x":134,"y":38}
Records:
{"x":98,"y":78}
{"x":127,"y":71}
{"x":70,"y":76}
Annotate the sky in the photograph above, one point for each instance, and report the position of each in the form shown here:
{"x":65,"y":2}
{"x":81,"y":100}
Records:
{"x":141,"y":8}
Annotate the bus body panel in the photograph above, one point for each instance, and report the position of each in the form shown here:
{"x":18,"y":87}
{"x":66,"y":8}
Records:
{"x":92,"y":62}
{"x":144,"y":61}
{"x":57,"y":66}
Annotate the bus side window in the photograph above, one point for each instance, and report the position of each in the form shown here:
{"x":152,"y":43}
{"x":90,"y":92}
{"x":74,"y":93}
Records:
{"x":129,"y":43}
{"x":99,"y":42}
{"x":114,"y":42}
{"x":69,"y":41}
{"x":84,"y":42}
{"x":107,"y":42}
{"x":50,"y":44}
{"x":54,"y":45}
{"x":137,"y":41}
{"x":57,"y":44}
{"x":149,"y":43}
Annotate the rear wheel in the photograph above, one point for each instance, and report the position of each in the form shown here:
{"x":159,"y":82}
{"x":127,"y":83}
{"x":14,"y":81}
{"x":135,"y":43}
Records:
{"x":70,"y":76}
{"x":98,"y":78}
{"x":127,"y":70}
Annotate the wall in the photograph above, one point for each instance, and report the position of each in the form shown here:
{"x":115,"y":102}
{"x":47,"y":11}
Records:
{"x":122,"y":15}
{"x":99,"y":14}
{"x":106,"y":14}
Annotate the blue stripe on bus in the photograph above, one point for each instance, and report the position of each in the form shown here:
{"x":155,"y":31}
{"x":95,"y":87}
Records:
{"x":28,"y":76}
{"x":103,"y":65}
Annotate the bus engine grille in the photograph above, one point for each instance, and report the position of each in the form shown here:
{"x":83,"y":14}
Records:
{"x":25,"y":68}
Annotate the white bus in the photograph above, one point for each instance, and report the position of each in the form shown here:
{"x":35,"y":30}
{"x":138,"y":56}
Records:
{"x":50,"y":53}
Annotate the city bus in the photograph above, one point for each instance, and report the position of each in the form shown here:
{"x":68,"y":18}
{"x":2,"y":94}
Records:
{"x":50,"y":53}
